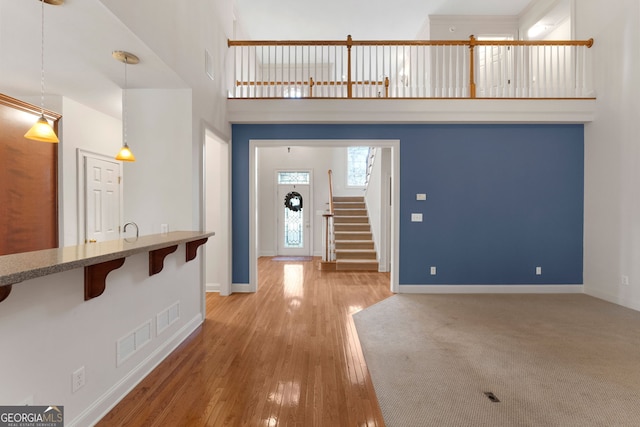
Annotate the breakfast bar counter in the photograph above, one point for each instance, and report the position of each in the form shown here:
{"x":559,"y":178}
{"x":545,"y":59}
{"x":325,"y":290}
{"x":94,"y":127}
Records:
{"x":98,"y":259}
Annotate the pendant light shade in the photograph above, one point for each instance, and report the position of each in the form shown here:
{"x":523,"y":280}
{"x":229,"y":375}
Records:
{"x":125,"y":154}
{"x":42,"y":130}
{"x":127,"y":58}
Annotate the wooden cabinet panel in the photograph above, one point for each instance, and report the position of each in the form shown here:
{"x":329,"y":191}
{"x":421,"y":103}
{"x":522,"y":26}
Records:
{"x":28,"y":181}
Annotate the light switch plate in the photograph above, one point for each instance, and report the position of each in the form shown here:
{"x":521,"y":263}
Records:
{"x":416,"y":217}
{"x":421,"y":196}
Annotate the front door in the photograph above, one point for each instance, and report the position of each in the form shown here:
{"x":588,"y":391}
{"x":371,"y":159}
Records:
{"x":294,"y":227}
{"x":102,"y":199}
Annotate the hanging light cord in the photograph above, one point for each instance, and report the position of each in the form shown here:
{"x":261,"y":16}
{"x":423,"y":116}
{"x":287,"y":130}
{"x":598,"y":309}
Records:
{"x":42,"y":62}
{"x":124,"y":104}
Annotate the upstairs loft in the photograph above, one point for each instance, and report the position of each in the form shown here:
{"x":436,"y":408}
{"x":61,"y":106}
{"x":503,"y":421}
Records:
{"x":474,"y":80}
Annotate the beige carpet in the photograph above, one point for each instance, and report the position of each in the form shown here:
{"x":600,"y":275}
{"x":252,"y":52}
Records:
{"x":551,"y":360}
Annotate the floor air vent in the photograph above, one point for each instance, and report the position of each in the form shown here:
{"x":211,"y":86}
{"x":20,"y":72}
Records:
{"x":492,"y":397}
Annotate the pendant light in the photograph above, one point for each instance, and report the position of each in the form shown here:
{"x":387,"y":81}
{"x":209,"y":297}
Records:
{"x":42,"y":130}
{"x":127,"y":58}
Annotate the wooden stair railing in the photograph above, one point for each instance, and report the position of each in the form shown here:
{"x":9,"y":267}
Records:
{"x":328,"y":222}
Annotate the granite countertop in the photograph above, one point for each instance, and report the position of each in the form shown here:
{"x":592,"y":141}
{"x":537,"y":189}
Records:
{"x":16,"y":268}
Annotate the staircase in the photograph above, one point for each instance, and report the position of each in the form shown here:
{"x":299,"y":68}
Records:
{"x":353,"y":240}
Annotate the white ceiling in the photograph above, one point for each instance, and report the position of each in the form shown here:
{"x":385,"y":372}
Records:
{"x":363,"y":19}
{"x":81,"y":34}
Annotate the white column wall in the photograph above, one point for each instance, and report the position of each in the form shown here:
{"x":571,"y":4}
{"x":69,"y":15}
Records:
{"x":612,"y":151}
{"x":157,"y":186}
{"x":216,"y":217}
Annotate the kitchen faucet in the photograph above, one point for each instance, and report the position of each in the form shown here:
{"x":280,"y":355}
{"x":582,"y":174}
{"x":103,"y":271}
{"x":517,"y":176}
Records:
{"x":124,"y":229}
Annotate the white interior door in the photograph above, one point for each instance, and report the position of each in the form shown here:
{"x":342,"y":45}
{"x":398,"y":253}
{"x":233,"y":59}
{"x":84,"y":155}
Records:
{"x":102,"y":199}
{"x":294,"y":227}
{"x":494,"y":69}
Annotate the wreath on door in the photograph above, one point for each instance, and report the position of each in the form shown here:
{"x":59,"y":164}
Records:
{"x":293,"y":201}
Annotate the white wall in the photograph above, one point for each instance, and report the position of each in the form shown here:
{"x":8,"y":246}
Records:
{"x":612,"y":176}
{"x":157,"y":186}
{"x":270,"y":159}
{"x":534,"y":12}
{"x":373,"y":198}
{"x":446,"y":27}
{"x":378,"y":205}
{"x":48,"y":331}
{"x":79,"y":130}
{"x":561,"y":32}
{"x":216,"y":217}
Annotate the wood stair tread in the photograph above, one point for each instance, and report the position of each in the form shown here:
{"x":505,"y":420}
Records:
{"x":348,"y":199}
{"x":354,"y":245}
{"x":350,"y":216}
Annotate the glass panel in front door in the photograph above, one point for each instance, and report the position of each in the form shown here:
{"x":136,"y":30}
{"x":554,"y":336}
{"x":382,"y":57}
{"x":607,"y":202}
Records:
{"x":293,"y":228}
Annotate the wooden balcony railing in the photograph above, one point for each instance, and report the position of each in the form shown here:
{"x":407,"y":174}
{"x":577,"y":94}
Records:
{"x":471,"y":68}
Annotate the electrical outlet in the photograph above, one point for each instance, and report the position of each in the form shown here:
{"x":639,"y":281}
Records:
{"x":433,"y":271}
{"x":625,"y":280}
{"x":538,"y":271}
{"x":77,"y":379}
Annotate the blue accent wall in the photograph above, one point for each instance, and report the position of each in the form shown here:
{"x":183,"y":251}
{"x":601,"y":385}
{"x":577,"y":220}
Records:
{"x":501,"y":199}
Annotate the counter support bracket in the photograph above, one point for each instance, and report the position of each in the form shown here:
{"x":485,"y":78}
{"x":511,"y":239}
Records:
{"x":4,"y":292}
{"x":192,"y":248}
{"x":156,"y":259}
{"x":95,"y":277}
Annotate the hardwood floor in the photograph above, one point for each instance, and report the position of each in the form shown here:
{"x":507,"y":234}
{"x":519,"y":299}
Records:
{"x":287,"y":355}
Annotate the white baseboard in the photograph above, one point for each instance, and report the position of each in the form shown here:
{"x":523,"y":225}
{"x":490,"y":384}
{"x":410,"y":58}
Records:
{"x":267,"y":253}
{"x":241,"y":288}
{"x":633,"y":304}
{"x":212,"y":287}
{"x":98,"y":409}
{"x":491,"y":289}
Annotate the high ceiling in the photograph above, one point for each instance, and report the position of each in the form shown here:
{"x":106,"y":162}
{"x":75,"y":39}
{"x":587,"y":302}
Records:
{"x":363,"y":19}
{"x":81,"y":34}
